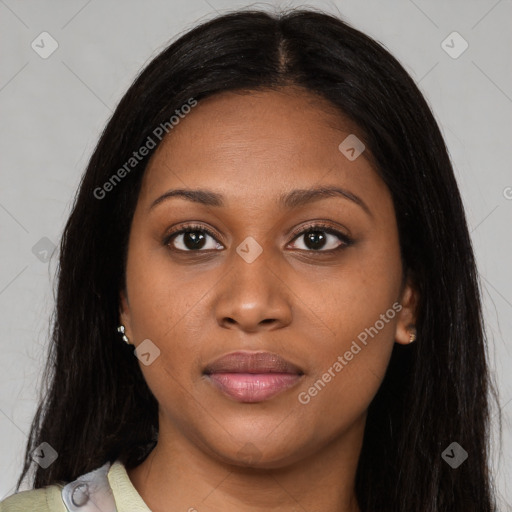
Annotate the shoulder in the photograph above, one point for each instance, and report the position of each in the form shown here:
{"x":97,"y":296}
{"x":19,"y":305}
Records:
{"x":96,"y":483}
{"x":46,"y":499}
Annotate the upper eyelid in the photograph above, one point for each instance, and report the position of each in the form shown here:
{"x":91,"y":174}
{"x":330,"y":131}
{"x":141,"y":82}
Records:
{"x":192,"y":227}
{"x":320,"y":226}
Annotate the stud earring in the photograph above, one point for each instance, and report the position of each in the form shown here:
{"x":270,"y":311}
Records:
{"x":412,"y":335}
{"x":121,"y":329}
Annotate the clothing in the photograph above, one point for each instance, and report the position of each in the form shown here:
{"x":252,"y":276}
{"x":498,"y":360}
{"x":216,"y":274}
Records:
{"x":50,"y":498}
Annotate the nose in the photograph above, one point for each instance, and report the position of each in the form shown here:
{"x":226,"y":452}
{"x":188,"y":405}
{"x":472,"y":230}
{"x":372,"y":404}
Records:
{"x":253,"y":296}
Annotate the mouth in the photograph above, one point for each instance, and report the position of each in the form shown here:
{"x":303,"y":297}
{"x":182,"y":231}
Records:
{"x":252,"y":376}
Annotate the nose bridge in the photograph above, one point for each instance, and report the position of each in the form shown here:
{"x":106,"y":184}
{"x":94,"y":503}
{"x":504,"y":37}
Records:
{"x":252,"y":293}
{"x":251,"y":266}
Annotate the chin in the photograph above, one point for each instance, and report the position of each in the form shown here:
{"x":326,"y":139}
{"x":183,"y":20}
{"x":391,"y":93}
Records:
{"x":261,"y":455}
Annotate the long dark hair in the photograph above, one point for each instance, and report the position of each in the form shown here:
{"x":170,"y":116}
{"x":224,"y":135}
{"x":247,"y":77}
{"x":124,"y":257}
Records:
{"x":97,"y":406}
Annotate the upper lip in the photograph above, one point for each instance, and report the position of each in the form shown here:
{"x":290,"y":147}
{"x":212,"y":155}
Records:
{"x":252,"y":362}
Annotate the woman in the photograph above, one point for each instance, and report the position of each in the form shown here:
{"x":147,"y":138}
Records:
{"x":270,"y":223}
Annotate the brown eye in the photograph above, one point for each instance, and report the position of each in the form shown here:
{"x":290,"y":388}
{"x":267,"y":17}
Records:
{"x":322,"y":239}
{"x":192,"y":238}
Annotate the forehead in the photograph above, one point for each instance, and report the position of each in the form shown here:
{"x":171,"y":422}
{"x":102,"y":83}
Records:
{"x":250,"y":142}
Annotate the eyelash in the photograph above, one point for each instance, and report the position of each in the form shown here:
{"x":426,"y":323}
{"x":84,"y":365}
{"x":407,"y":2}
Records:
{"x":324,"y":228}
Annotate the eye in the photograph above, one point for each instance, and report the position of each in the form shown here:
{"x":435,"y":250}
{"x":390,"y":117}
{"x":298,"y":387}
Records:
{"x":192,"y":238}
{"x":322,"y":238}
{"x":316,"y":238}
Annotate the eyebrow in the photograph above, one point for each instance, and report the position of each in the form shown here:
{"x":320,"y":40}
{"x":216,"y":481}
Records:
{"x":293,"y":199}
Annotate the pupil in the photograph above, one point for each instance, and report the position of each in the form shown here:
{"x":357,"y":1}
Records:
{"x":315,"y":239}
{"x":196,"y":239}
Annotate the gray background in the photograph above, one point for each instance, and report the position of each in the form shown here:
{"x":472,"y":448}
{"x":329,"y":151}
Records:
{"x":53,"y":109}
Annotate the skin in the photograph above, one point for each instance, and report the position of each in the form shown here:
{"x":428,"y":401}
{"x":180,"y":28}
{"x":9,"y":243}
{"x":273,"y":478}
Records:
{"x":303,"y":303}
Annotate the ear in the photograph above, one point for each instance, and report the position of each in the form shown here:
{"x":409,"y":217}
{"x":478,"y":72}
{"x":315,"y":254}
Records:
{"x":124,"y":312}
{"x":406,"y":324}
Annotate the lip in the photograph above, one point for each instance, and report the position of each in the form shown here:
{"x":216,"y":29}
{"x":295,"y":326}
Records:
{"x":252,"y":376}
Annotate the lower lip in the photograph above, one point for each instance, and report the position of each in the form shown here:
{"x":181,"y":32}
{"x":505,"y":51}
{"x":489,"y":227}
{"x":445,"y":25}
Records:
{"x":253,"y":387}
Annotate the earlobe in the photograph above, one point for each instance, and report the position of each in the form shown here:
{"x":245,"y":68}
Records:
{"x":406,"y":331}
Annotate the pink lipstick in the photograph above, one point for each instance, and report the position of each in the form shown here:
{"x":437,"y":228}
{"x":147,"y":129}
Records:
{"x":252,"y":376}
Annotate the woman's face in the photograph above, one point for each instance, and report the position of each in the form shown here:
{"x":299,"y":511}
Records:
{"x":312,"y":277}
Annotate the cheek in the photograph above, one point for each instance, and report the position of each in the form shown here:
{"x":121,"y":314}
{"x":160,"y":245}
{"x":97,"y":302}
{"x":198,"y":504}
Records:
{"x":350,"y":298}
{"x":164,"y":313}
{"x":359,"y":304}
{"x":161,"y":294}
{"x":156,"y":309}
{"x":347,"y":367}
